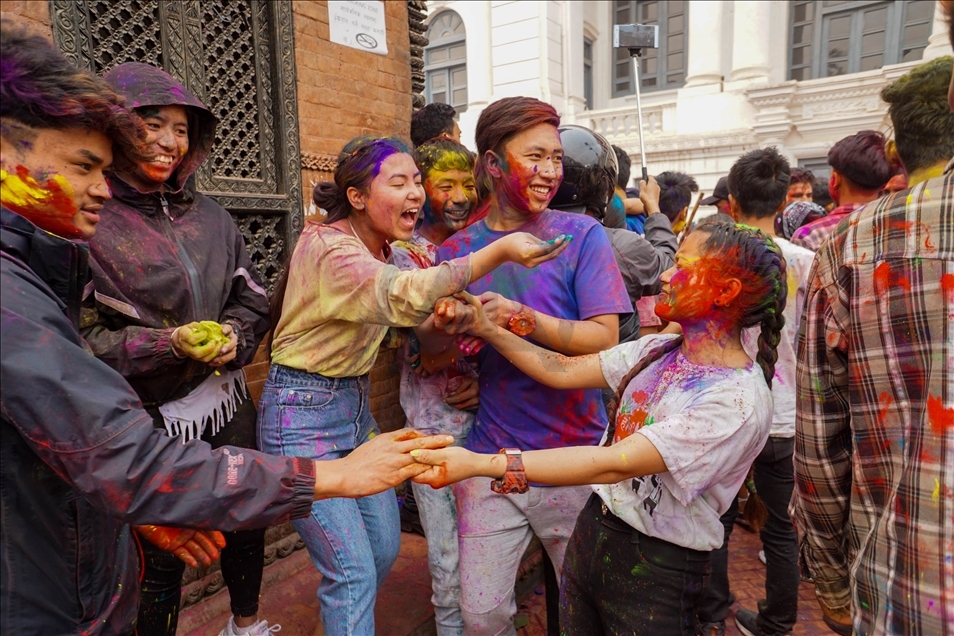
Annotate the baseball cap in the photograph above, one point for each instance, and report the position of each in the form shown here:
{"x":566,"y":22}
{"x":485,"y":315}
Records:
{"x":721,"y":192}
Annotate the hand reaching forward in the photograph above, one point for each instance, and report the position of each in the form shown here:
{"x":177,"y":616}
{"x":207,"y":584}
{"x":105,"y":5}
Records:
{"x":450,"y":465}
{"x":529,"y":251}
{"x":380,"y":463}
{"x":190,"y":545}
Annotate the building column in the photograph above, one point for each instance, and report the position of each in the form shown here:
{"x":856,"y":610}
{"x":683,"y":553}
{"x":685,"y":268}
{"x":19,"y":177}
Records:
{"x":938,"y":43}
{"x":705,"y":43}
{"x":750,"y":40}
{"x":573,"y":59}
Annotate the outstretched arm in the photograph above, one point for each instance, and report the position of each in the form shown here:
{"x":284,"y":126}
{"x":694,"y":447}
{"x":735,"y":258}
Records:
{"x":546,"y":367}
{"x":635,"y":456}
{"x":570,"y":337}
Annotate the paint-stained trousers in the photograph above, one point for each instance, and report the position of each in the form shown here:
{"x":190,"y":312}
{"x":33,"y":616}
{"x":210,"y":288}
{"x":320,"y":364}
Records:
{"x":438,"y":512}
{"x":495,"y":531}
{"x":617,"y":580}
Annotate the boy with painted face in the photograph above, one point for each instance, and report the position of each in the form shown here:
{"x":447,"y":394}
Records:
{"x":166,"y":257}
{"x":79,"y":458}
{"x":573,"y":306}
{"x":439,"y":400}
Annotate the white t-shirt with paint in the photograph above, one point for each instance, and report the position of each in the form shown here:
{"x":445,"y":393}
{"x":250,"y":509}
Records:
{"x":798,"y":262}
{"x":708,"y":423}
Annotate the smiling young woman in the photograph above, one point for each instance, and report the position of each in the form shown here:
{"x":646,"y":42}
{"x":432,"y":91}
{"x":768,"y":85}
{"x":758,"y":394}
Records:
{"x":341,"y":295}
{"x":691,"y":412}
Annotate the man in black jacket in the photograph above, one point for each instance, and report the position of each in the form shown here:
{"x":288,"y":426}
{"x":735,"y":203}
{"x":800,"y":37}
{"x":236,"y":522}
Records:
{"x":79,"y":457}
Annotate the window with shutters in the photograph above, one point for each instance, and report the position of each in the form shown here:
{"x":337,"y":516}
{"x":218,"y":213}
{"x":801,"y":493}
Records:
{"x":831,"y":38}
{"x":445,"y":61}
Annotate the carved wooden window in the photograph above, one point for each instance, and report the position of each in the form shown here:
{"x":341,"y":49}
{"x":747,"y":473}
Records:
{"x":238,"y":58}
{"x":831,"y":38}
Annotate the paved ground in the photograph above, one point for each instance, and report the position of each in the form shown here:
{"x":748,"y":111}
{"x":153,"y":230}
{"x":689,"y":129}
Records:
{"x":404,"y":609}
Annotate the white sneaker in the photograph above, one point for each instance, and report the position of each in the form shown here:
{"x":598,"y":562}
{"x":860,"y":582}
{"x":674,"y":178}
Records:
{"x":261,"y":628}
{"x":762,"y":556}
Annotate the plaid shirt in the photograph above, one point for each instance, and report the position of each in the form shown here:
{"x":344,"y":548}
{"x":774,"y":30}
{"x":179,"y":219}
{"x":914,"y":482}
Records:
{"x":874,"y":444}
{"x":812,"y":236}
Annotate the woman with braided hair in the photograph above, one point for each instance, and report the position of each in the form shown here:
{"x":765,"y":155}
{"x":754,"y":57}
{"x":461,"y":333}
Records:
{"x":692,"y":413}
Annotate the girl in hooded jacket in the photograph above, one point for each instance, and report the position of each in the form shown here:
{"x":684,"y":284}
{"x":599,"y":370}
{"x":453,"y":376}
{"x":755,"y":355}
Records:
{"x":165,"y":258}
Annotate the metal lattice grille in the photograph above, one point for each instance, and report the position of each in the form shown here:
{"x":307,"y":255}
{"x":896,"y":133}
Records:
{"x":126,"y":32}
{"x":265,"y":243}
{"x":231,"y":93}
{"x":237,"y":56}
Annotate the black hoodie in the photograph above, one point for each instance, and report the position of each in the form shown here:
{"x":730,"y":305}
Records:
{"x":80,"y":459}
{"x":162,"y":261}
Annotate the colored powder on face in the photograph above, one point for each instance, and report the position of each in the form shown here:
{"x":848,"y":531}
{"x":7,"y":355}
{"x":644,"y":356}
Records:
{"x":49,"y":205}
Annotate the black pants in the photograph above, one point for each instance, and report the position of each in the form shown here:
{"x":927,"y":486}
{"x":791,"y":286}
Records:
{"x":242,"y":557}
{"x":617,"y":580}
{"x":715,"y":603}
{"x":774,"y":481}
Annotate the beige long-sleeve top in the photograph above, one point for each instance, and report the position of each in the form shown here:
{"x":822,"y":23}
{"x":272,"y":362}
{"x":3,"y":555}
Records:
{"x":340,"y":301}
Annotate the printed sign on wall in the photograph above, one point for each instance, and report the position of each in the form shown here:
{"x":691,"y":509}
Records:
{"x":358,"y":24}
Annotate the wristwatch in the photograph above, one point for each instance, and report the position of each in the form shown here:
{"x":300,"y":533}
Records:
{"x":514,"y":481}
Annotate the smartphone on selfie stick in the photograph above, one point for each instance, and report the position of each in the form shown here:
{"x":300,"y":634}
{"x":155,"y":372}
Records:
{"x":637,"y":37}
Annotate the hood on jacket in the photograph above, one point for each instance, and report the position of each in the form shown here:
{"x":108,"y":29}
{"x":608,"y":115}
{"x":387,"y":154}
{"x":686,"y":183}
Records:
{"x":145,"y":85}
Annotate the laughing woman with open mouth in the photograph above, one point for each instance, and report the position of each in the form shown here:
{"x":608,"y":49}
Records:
{"x":340,"y":296}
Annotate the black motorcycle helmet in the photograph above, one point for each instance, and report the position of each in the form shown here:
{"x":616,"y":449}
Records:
{"x":589,"y":172}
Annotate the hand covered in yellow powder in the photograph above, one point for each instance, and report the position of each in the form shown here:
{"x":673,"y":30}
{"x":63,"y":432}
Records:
{"x":202,"y":341}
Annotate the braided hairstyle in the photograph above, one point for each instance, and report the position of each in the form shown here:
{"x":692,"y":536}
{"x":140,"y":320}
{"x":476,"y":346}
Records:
{"x":751,"y":255}
{"x":755,"y":259}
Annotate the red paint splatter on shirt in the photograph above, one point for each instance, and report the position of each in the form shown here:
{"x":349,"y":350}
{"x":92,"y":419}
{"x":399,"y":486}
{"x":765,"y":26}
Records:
{"x":940,"y":417}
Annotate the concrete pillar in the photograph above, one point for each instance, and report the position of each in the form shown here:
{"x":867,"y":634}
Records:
{"x":938,"y":43}
{"x":705,"y":43}
{"x":573,"y":59}
{"x":750,"y":40}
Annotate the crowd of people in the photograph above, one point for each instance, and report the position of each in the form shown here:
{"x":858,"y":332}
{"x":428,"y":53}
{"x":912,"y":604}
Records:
{"x":582,"y":359}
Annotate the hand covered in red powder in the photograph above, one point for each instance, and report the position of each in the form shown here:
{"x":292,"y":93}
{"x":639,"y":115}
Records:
{"x":498,"y":309}
{"x":454,"y":315}
{"x":449,"y":465}
{"x":463,"y":393}
{"x":190,"y":545}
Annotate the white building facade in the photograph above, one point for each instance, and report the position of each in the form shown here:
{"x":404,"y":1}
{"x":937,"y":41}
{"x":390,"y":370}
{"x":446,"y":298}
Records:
{"x":728,"y":76}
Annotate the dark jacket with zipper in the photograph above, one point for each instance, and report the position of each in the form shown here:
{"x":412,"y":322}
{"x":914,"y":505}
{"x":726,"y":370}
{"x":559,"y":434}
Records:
{"x":80,"y":459}
{"x":160,"y":261}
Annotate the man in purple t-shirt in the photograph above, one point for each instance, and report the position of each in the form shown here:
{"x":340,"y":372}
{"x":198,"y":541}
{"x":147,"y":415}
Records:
{"x":574,"y":302}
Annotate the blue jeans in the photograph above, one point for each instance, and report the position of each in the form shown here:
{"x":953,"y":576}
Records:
{"x":438,"y":511}
{"x":353,"y":542}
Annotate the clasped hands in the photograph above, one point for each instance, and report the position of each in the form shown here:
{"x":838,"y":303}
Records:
{"x":189,"y":341}
{"x":471,"y":318}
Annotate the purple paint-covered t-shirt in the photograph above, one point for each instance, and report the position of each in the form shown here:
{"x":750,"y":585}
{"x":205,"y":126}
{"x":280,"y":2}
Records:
{"x":582,"y":282}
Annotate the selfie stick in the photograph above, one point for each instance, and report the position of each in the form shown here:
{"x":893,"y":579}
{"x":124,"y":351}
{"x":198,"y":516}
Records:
{"x":634,"y":53}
